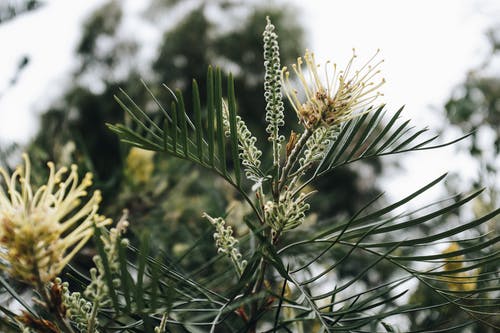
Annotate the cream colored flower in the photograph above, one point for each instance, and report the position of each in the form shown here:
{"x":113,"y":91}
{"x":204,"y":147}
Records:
{"x":139,"y":165}
{"x":463,"y":281}
{"x":455,"y":262}
{"x":41,"y":229}
{"x":459,"y":281}
{"x":338,"y":96}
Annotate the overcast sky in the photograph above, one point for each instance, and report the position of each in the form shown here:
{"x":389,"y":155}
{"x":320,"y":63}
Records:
{"x":428,"y":47}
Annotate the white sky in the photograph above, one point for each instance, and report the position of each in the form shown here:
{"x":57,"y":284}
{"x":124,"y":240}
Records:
{"x":49,"y":37}
{"x":428,"y":46}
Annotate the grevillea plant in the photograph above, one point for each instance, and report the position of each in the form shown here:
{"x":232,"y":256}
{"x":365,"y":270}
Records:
{"x":275,"y":269}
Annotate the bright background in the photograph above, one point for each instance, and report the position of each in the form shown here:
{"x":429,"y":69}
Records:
{"x":428,"y":47}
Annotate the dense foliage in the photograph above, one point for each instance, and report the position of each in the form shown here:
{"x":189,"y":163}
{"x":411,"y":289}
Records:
{"x":229,"y":233}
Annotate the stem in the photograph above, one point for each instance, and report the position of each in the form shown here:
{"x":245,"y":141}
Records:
{"x":276,"y":161}
{"x":276,"y":148}
{"x":93,"y":315}
{"x":290,"y":161}
{"x":277,"y":187}
{"x":260,"y":200}
{"x":62,"y":323}
{"x":255,"y":304}
{"x":233,"y":184}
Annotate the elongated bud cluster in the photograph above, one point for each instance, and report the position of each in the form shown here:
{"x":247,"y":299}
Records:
{"x":288,"y":213}
{"x":226,"y":243}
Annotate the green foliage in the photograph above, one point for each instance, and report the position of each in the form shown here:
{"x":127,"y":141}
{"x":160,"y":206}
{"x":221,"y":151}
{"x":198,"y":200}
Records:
{"x":317,"y":300}
{"x":340,"y":260}
{"x":107,"y":18}
{"x":472,"y":108}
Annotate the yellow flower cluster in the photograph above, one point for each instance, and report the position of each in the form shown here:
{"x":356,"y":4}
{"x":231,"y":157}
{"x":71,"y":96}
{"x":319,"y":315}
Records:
{"x":139,"y":165}
{"x":41,"y":229}
{"x":335,"y":98}
{"x":459,"y":281}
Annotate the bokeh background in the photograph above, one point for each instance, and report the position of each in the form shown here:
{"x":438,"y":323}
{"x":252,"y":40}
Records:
{"x":433,"y":51}
{"x":61,"y":63}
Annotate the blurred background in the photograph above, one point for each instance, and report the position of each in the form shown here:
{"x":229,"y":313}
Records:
{"x":436,"y":54}
{"x":61,"y":63}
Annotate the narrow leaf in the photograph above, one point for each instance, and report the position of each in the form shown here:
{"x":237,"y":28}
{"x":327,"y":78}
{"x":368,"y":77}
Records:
{"x":211,"y":115}
{"x":137,"y":119}
{"x":174,"y":127}
{"x":125,"y":276}
{"x":393,"y":137}
{"x":183,"y":125}
{"x":354,"y":130}
{"x":166,"y":131}
{"x":233,"y":129}
{"x":157,"y":102}
{"x":17,"y":297}
{"x":369,"y":128}
{"x":386,"y":129}
{"x":197,"y":121}
{"x":220,"y":126}
{"x":139,"y":289}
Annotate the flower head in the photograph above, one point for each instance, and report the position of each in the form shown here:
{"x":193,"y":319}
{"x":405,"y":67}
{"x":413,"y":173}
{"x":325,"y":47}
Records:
{"x":457,"y":280}
{"x":139,"y":165}
{"x":41,"y":229}
{"x":335,"y":98}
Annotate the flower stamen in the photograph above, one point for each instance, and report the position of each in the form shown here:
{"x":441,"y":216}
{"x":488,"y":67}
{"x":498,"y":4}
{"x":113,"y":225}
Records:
{"x":338,"y":97}
{"x":37,"y":240}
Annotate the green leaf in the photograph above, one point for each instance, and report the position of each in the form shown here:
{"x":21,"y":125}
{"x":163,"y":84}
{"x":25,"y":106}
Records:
{"x":139,"y":288}
{"x":175,"y":117}
{"x":17,"y":297}
{"x":210,"y":116}
{"x":388,"y":327}
{"x":369,"y":136}
{"x":233,"y":129}
{"x":125,"y":278}
{"x":220,"y":125}
{"x":183,"y":124}
{"x":197,"y":121}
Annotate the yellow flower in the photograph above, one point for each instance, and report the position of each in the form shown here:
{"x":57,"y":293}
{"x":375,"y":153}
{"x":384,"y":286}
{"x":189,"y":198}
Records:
{"x":459,"y":281}
{"x":41,"y":229}
{"x":139,"y":165}
{"x":335,"y":98}
{"x":455,"y":262}
{"x":463,"y":281}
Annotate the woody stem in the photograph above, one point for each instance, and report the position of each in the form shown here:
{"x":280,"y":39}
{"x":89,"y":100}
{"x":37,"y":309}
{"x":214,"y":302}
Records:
{"x":292,"y":158}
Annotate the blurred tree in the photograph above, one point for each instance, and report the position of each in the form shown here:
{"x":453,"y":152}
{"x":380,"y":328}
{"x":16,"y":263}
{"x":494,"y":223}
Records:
{"x":475,"y":104}
{"x":474,"y":107}
{"x":199,"y":39}
{"x":222,"y":33}
{"x":73,"y":129}
{"x":9,"y":9}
